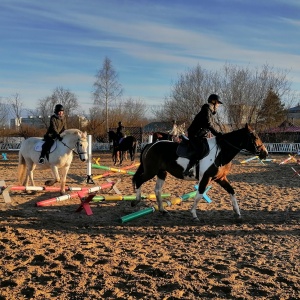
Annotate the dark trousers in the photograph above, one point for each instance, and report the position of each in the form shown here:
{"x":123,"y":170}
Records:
{"x":46,"y":147}
{"x":196,"y":148}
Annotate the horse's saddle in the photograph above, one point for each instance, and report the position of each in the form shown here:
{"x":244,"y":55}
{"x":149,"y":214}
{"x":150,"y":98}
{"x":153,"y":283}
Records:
{"x":186,"y":150}
{"x":39,"y":144}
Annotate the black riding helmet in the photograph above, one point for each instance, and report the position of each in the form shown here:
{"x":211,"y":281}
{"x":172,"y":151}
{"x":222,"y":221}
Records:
{"x":214,"y":97}
{"x":58,"y":107}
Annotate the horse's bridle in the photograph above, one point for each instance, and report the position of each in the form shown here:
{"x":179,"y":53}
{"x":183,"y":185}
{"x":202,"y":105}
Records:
{"x":77,"y":144}
{"x":251,"y":137}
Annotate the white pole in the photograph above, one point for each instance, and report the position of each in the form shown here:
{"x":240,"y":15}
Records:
{"x":150,"y":139}
{"x":89,"y":163}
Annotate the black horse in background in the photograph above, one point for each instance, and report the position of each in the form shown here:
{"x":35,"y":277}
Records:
{"x":128,"y":143}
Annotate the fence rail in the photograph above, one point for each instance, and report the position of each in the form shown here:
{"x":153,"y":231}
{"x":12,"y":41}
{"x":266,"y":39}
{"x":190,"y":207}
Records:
{"x":271,"y":147}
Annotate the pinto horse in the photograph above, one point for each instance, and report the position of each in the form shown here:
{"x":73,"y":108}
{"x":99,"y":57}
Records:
{"x":128,"y":143}
{"x":170,"y":136}
{"x":61,"y":156}
{"x":161,"y":157}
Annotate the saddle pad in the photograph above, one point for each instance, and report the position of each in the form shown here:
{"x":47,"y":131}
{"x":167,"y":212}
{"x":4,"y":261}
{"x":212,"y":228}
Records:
{"x":183,"y":150}
{"x":39,"y":144}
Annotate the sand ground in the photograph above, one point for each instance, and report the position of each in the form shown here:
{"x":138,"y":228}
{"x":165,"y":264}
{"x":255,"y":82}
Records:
{"x":55,"y":252}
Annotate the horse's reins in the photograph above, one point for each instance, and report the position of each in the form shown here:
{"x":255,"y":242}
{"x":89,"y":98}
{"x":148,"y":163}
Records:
{"x":257,"y":148}
{"x":72,"y":149}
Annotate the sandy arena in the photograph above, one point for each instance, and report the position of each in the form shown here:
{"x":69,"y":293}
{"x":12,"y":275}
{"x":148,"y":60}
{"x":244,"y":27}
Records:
{"x":55,"y":252}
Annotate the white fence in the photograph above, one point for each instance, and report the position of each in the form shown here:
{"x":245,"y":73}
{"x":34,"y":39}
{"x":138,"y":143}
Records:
{"x":272,"y":147}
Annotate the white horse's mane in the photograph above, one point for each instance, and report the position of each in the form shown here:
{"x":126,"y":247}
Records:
{"x":70,"y":131}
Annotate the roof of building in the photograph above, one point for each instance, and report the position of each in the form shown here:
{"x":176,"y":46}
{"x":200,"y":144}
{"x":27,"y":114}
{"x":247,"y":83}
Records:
{"x":295,"y":109}
{"x":157,"y":126}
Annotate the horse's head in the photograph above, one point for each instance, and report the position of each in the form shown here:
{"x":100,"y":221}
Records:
{"x":111,"y":136}
{"x":76,"y":139}
{"x":254,"y":143}
{"x":82,"y":146}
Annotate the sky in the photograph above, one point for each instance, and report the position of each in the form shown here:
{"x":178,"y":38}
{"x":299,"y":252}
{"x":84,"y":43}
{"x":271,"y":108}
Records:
{"x":63,"y":43}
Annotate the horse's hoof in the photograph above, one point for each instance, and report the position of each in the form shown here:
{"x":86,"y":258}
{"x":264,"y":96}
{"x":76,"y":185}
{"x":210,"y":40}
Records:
{"x":134,"y":203}
{"x":62,"y":193}
{"x":164,"y":212}
{"x":196,"y":220}
{"x":49,"y":182}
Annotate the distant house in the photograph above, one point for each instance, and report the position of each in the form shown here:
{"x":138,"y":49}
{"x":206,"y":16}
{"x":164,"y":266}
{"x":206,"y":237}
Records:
{"x":285,"y":132}
{"x":294,"y":115}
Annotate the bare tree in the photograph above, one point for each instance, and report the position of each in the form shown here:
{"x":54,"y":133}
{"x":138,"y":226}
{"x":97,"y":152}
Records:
{"x":59,"y":96}
{"x":241,"y":89}
{"x":188,"y":94}
{"x":16,"y":108}
{"x":4,"y":112}
{"x":131,"y":112}
{"x":244,"y":91}
{"x":107,"y":89}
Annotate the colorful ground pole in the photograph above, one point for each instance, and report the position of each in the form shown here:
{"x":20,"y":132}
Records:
{"x":173,"y":201}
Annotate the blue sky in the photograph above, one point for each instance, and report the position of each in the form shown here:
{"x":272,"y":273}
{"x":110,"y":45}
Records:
{"x":47,"y":44}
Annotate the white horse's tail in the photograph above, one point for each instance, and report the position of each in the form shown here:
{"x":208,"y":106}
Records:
{"x":21,"y":168}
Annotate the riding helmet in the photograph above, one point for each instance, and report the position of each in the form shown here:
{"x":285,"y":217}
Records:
{"x":214,"y":97}
{"x":58,"y":107}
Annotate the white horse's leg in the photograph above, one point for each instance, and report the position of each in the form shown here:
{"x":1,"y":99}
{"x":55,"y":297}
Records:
{"x":158,"y":187}
{"x":197,"y":198}
{"x":235,"y":206}
{"x":64,"y":172}
{"x":29,"y":176}
{"x":138,"y":195}
{"x":56,"y":176}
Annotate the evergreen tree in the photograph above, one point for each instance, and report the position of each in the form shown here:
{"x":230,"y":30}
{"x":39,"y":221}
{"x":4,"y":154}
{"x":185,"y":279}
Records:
{"x":272,"y":112}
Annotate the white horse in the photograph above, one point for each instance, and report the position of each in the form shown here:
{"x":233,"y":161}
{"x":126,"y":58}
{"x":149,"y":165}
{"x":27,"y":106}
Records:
{"x":60,"y":157}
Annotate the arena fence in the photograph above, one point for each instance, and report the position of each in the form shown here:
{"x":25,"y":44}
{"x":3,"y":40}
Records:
{"x":271,"y":147}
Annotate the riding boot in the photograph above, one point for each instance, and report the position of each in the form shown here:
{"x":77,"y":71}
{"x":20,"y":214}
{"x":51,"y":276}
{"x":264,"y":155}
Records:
{"x":42,"y":157}
{"x":188,"y":171}
{"x":45,"y":152}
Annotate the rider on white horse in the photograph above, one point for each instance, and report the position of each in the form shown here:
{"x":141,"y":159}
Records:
{"x":200,"y":127}
{"x":57,"y":126}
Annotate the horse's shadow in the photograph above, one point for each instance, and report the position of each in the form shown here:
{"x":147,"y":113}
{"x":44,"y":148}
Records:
{"x":107,"y":215}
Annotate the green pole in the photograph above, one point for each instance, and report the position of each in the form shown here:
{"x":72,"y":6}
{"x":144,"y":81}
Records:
{"x":137,"y":214}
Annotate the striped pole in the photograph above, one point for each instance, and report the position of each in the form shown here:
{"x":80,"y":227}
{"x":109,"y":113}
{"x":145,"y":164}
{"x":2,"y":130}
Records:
{"x":125,"y":198}
{"x":123,"y":170}
{"x":249,"y":159}
{"x":150,"y":210}
{"x":73,"y":195}
{"x":113,"y":170}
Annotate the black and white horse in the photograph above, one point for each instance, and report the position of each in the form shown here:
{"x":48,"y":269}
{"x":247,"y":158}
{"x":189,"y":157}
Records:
{"x":128,"y":143}
{"x":161,"y":157}
{"x":173,"y":135}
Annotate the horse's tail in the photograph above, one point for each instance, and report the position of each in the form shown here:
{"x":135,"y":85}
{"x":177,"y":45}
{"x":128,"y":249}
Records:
{"x":139,"y":171}
{"x":21,"y":168}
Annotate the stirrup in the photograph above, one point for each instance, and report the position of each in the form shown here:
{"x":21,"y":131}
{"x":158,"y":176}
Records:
{"x":41,"y":160}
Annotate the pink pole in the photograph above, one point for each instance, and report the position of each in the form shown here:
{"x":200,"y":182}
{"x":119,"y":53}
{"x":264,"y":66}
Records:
{"x":73,"y":195}
{"x":56,"y":199}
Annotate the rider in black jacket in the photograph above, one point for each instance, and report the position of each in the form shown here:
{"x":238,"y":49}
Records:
{"x":56,"y":127}
{"x":200,"y":127}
